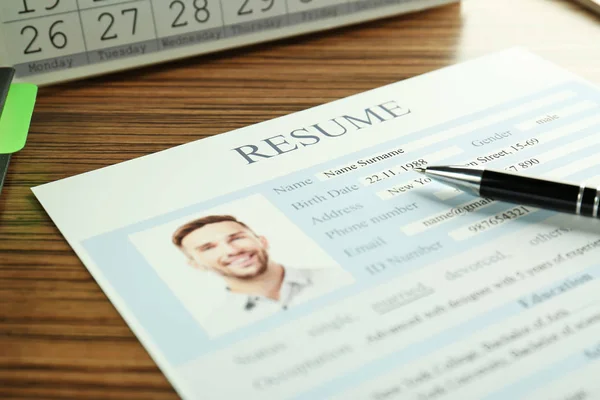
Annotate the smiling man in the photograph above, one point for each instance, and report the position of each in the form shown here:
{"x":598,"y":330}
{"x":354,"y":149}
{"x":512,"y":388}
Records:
{"x":255,"y":283}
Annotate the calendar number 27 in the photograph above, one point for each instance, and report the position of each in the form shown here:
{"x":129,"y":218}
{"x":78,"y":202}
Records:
{"x":106,"y":16}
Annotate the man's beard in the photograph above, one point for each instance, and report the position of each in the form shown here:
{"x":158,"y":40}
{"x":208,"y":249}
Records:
{"x":263,"y":261}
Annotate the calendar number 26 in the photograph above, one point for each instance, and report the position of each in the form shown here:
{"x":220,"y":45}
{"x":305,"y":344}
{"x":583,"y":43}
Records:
{"x":57,"y":38}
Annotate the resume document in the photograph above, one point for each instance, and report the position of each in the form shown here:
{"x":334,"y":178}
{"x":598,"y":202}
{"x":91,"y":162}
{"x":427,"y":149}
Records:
{"x":303,"y":258}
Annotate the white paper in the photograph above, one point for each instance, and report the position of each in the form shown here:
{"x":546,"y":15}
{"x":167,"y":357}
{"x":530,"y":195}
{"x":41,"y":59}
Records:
{"x":382,"y":284}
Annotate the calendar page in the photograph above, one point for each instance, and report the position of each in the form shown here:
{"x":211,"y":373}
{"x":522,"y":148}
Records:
{"x":48,"y":41}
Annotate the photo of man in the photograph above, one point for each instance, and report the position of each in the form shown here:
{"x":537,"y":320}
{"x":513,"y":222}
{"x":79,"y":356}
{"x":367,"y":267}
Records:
{"x":239,"y":262}
{"x":225,"y":246}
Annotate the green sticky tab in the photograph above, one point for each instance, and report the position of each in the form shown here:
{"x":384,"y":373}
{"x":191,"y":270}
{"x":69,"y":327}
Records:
{"x":16,"y":116}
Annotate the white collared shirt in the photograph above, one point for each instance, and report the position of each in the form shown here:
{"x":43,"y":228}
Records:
{"x":299,"y":285}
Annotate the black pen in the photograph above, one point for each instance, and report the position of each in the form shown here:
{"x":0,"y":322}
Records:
{"x":513,"y":188}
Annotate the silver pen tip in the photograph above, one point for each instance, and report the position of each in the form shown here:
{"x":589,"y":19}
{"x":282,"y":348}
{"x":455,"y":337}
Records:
{"x":420,"y":170}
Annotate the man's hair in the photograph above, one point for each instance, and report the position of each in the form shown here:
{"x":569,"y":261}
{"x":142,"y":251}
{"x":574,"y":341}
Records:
{"x":191,"y":226}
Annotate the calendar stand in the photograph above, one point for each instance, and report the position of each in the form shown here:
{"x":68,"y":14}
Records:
{"x":48,"y":41}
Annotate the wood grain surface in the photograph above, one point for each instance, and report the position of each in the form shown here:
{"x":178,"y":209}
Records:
{"x":60,"y":337}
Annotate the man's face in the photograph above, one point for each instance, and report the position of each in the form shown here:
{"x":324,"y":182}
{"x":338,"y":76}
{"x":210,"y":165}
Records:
{"x":228,"y":249}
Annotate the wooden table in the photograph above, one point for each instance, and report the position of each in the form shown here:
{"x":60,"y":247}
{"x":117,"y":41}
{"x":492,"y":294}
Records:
{"x":60,"y":337}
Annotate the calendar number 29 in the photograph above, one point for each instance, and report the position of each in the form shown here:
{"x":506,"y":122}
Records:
{"x":245,"y":9}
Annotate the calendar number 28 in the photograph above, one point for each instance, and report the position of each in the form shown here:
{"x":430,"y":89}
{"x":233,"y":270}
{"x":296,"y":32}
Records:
{"x":27,"y":10}
{"x":201,"y":12}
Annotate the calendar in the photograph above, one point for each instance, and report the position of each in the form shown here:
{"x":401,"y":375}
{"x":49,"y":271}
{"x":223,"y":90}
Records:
{"x":49,"y":41}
